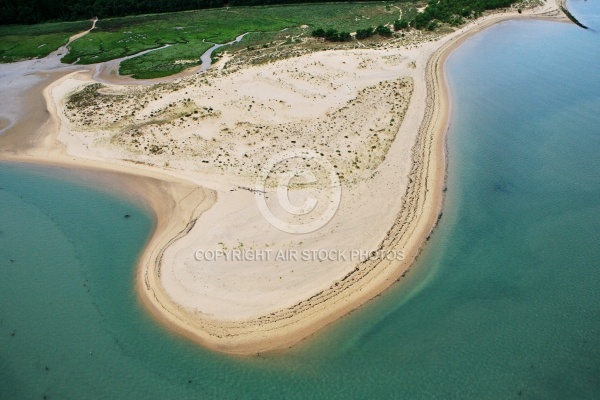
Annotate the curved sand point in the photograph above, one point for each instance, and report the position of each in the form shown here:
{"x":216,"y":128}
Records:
{"x":248,"y":308}
{"x":240,"y":331}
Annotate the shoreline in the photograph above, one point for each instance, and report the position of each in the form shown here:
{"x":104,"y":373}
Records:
{"x":178,"y":204}
{"x":293,"y":325}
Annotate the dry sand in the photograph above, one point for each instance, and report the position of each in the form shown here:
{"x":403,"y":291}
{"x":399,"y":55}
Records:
{"x":191,"y":147}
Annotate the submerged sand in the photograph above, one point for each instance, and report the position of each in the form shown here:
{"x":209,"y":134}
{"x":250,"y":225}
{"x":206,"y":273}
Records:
{"x":191,"y":148}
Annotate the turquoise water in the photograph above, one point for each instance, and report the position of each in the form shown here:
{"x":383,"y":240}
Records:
{"x":503,"y":303}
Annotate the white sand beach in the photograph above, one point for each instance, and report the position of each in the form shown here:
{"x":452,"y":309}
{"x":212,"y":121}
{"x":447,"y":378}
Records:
{"x":192,"y":148}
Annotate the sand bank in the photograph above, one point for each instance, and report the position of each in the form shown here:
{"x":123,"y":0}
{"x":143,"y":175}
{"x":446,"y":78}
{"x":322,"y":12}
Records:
{"x":196,"y":188}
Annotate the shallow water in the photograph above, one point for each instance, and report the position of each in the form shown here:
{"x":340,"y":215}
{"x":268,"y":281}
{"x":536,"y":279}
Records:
{"x":503,"y":303}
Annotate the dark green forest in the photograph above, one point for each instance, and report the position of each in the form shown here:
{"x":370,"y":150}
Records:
{"x":35,"y":11}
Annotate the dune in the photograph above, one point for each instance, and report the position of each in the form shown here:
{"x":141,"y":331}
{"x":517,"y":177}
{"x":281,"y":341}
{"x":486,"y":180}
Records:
{"x":194,"y":149}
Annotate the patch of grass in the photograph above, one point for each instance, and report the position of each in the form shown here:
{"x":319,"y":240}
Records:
{"x":120,"y":37}
{"x":22,"y":42}
{"x":264,"y":40}
{"x":164,"y":62}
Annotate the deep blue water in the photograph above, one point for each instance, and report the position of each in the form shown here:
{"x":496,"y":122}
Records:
{"x":503,"y":303}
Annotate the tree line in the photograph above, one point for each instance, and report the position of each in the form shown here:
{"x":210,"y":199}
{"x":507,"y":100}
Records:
{"x":453,"y":11}
{"x":36,"y":11}
{"x":332,"y":35}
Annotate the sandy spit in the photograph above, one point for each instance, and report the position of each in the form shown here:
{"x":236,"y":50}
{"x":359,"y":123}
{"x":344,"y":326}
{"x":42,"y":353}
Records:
{"x":180,"y":202}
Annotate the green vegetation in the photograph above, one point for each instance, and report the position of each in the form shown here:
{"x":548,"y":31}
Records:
{"x":160,"y":63}
{"x":190,"y":33}
{"x":382,"y":30}
{"x":401,"y":24}
{"x":21,"y":42}
{"x":36,"y":11}
{"x":364,"y":33}
{"x":332,"y":35}
{"x":408,"y":16}
{"x":452,"y":11}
